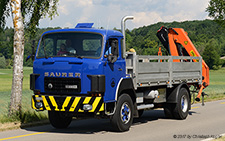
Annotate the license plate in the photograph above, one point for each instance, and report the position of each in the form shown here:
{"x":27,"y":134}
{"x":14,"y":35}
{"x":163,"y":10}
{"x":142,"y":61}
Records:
{"x":71,"y":86}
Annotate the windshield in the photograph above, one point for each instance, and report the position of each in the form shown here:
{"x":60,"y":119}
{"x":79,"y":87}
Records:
{"x":70,"y":45}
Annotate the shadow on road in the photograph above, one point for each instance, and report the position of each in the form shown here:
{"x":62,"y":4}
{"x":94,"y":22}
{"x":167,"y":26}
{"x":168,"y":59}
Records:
{"x":151,"y":115}
{"x":93,"y":126}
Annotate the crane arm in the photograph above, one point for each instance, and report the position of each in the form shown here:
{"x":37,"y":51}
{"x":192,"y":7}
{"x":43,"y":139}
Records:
{"x":177,"y":43}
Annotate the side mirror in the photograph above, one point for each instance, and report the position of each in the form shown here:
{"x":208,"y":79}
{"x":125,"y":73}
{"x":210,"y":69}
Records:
{"x":28,"y":57}
{"x":112,"y":58}
{"x":114,"y":52}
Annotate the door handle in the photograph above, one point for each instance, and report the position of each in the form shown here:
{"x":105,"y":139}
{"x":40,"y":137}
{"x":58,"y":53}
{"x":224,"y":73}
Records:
{"x":120,"y":69}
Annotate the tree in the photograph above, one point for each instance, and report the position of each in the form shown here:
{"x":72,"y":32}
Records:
{"x":18,"y":45}
{"x":216,"y":9}
{"x":4,"y":12}
{"x":2,"y":62}
{"x":33,"y":10}
{"x":210,"y":54}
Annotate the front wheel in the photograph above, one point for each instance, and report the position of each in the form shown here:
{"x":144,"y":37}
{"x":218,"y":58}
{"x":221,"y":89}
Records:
{"x":123,"y":117}
{"x":59,"y":119}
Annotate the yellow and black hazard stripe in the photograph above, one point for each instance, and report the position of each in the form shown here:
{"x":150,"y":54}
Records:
{"x":68,"y":104}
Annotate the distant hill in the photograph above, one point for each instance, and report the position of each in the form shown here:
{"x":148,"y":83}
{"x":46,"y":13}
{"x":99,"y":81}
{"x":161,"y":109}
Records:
{"x":144,"y":39}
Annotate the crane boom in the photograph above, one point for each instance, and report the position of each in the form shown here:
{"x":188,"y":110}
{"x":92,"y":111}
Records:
{"x":177,"y":43}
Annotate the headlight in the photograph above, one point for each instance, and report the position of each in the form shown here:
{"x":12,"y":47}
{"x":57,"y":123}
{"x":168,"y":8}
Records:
{"x":87,"y":107}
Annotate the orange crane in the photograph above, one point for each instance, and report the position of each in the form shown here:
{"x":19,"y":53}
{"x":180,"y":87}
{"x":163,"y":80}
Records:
{"x":177,"y":43}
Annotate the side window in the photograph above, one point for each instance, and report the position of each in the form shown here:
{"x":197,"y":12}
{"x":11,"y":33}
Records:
{"x":112,"y":47}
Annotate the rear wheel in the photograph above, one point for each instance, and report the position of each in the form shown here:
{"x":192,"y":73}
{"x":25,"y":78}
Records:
{"x":123,"y":117}
{"x":180,"y":109}
{"x":59,"y":119}
{"x":168,"y":110}
{"x":183,"y":104}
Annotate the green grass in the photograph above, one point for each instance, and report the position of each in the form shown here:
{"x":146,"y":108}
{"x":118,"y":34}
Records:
{"x":27,"y":114}
{"x":5,"y":88}
{"x":216,"y":91}
{"x":220,"y":139}
{"x":6,"y":79}
{"x":216,"y":88}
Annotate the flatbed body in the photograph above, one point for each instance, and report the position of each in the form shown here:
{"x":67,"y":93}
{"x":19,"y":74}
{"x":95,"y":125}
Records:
{"x":148,"y":71}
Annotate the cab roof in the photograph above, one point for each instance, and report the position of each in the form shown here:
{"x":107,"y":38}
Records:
{"x":104,"y":32}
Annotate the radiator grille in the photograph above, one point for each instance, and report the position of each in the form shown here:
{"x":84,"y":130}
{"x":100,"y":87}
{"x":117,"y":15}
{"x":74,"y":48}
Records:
{"x":62,"y":85}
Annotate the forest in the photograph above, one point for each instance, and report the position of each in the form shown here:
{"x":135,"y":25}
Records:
{"x":207,"y":36}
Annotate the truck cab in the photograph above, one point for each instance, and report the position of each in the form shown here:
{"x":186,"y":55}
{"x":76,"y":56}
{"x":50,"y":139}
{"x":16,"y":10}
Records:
{"x":77,"y":72}
{"x":91,"y":62}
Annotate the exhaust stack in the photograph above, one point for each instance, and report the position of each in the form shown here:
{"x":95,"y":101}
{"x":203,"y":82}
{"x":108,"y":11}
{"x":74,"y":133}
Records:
{"x":123,"y":32}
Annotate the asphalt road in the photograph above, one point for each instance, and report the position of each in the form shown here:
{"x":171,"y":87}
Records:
{"x":202,"y":122}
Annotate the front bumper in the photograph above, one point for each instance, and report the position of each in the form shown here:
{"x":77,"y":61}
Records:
{"x":67,"y":103}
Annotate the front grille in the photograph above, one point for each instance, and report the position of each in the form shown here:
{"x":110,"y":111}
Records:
{"x":62,"y":85}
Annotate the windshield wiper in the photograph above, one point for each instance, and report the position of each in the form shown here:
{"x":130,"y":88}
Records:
{"x":78,"y":56}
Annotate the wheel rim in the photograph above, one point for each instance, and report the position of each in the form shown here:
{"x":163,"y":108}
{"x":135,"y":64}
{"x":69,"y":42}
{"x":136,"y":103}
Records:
{"x":125,"y":113}
{"x":184,"y":103}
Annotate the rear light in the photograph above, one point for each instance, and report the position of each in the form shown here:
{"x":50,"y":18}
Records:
{"x":96,"y":95}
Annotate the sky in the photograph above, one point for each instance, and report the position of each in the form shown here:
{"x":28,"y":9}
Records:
{"x":108,"y":13}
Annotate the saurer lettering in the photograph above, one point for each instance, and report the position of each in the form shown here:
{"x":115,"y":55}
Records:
{"x":63,"y":74}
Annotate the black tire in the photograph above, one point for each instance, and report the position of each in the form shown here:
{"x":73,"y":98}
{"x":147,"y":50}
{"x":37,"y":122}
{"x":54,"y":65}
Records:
{"x":140,"y":113}
{"x":183,"y":104}
{"x":58,"y":119}
{"x":168,"y":110}
{"x":181,"y":108}
{"x":123,"y":116}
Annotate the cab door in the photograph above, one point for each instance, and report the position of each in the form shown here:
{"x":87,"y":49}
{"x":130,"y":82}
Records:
{"x":114,"y":68}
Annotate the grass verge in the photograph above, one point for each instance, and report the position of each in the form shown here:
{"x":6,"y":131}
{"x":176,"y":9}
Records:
{"x":24,"y":117}
{"x":28,"y":116}
{"x":220,"y":139}
{"x":216,"y":88}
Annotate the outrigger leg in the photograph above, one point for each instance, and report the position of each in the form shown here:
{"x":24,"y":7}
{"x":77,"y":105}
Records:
{"x":200,"y":93}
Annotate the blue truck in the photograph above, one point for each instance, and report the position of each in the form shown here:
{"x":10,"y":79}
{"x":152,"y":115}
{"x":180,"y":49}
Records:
{"x":86,"y":72}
